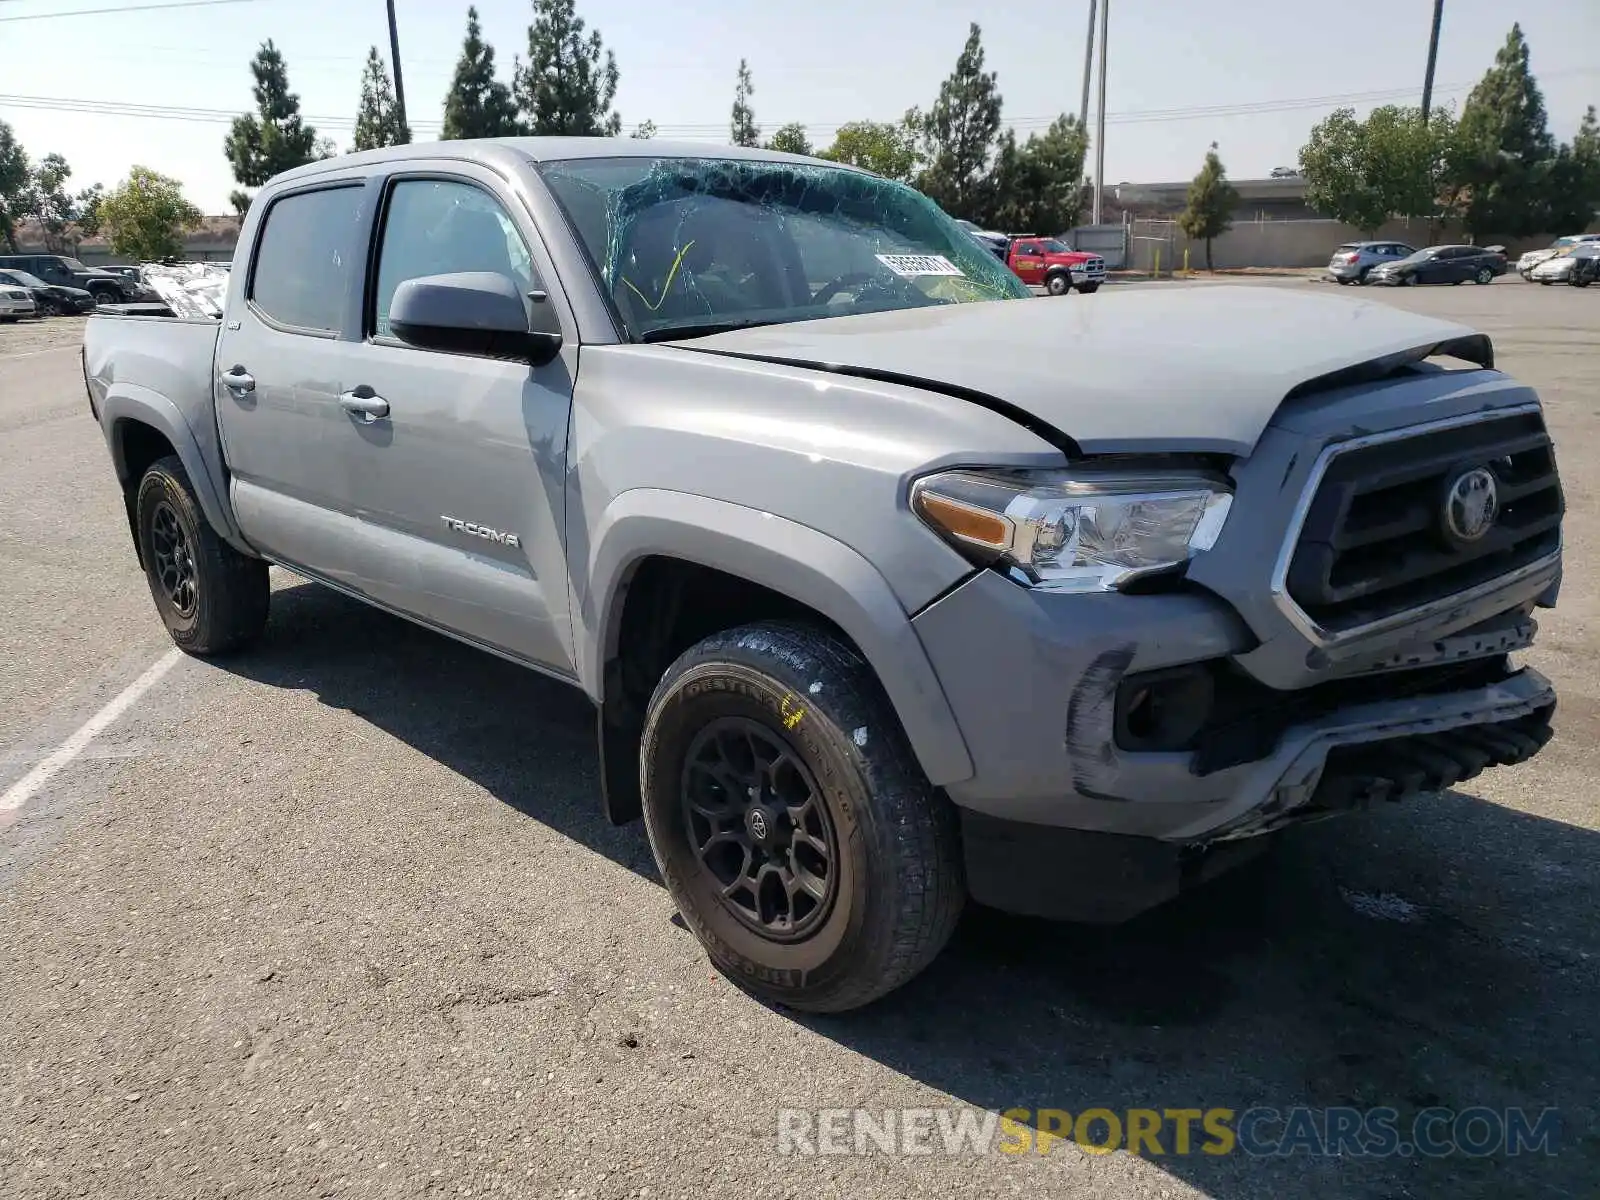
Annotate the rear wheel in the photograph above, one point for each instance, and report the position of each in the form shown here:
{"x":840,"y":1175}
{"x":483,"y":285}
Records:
{"x":1088,"y":289}
{"x":1058,"y":284}
{"x":1361,"y":278}
{"x":211,"y":598}
{"x":1546,"y":282}
{"x":795,"y":831}
{"x":1576,"y":282}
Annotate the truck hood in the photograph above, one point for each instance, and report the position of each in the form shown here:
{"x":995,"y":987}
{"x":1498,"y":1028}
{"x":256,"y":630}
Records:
{"x":1158,"y":369}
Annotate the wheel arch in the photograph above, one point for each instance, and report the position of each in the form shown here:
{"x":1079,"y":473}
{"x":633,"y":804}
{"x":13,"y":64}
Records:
{"x":753,"y":565}
{"x":143,"y":426}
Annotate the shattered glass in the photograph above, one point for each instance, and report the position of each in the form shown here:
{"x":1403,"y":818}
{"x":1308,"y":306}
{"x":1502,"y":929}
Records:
{"x":197,"y":289}
{"x":687,"y":246}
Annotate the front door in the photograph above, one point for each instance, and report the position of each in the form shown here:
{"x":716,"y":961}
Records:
{"x":458,"y":478}
{"x":279,"y":359}
{"x":1028,"y":262}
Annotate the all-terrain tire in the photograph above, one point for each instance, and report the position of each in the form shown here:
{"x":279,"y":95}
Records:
{"x":895,"y":879}
{"x":1058,"y":284}
{"x":211,"y":598}
{"x":1088,"y":289}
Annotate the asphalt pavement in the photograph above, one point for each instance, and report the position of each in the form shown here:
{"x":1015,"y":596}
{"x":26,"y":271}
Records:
{"x":340,"y":916}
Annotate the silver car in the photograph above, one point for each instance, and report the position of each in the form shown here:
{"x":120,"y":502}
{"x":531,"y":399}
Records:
{"x":16,"y":303}
{"x":1557,"y":248}
{"x":1352,"y":261}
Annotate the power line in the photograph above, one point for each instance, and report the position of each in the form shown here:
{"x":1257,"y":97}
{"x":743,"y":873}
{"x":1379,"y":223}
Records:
{"x":173,"y":112}
{"x":96,"y":12}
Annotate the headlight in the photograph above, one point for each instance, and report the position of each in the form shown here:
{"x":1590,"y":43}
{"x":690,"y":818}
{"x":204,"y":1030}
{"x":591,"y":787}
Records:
{"x":1084,"y":531}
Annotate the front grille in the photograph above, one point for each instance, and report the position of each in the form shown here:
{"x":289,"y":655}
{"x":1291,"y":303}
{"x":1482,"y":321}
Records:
{"x":1376,"y":543}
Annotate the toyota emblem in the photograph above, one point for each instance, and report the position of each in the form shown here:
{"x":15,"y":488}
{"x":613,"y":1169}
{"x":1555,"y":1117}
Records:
{"x":758,"y":825}
{"x":1471,"y":505}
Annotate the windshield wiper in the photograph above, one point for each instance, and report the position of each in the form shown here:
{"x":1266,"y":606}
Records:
{"x":690,"y":329}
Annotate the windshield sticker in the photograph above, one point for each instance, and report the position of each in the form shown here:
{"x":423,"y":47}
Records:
{"x":912,"y":266}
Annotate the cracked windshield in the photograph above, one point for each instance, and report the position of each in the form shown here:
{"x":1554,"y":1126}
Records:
{"x":686,"y":247}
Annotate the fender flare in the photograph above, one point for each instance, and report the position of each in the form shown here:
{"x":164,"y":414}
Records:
{"x":795,"y":560}
{"x":129,"y":402}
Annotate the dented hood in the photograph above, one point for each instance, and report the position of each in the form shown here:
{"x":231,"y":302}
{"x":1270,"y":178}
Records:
{"x":1147,"y":369}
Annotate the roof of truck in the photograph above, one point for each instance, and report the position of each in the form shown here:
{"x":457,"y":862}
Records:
{"x":552,"y":149}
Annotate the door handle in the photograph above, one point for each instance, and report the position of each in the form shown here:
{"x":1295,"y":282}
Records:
{"x":364,"y":403}
{"x":237,"y":379}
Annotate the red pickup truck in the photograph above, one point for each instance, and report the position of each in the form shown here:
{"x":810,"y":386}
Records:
{"x":1048,"y":263}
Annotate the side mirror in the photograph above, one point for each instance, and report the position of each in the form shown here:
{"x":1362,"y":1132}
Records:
{"x":473,"y":312}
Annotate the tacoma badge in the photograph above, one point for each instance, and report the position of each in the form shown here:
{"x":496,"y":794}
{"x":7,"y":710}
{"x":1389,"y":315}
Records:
{"x":483,"y":531}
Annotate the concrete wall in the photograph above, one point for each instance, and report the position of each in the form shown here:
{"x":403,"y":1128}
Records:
{"x":1284,"y":243}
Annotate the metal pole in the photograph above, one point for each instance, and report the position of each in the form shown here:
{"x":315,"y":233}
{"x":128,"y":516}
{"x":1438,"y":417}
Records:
{"x":1100,"y":118}
{"x":1088,"y":70}
{"x":394,"y":58}
{"x":1433,"y":56}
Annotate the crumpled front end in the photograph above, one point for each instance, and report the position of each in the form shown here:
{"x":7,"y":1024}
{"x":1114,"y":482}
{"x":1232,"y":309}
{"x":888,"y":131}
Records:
{"x":1349,"y":639}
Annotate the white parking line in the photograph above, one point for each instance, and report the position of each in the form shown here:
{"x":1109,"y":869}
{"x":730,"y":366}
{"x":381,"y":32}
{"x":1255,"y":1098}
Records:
{"x":22,"y":791}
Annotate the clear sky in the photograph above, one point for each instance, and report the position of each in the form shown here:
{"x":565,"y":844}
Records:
{"x":821,"y":62}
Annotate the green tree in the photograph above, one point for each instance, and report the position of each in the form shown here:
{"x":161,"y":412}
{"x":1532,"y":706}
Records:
{"x":146,"y":216}
{"x":378,"y":120}
{"x":791,"y":139}
{"x":1211,"y":203}
{"x":274,"y":138}
{"x":1507,"y":149}
{"x":478,"y":105}
{"x":1574,"y":179}
{"x":644,"y":129}
{"x":569,"y":81}
{"x":890,"y":149}
{"x":742,"y":127}
{"x":88,"y":222}
{"x":1334,"y":166}
{"x":50,"y":203}
{"x":1036,"y":186}
{"x":961,"y":130}
{"x":15,"y":177}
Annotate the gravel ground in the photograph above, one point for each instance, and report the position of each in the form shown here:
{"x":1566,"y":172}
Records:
{"x":339,"y":917}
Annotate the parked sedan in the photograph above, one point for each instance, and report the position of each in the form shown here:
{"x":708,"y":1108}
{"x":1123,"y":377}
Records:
{"x":995,"y":243}
{"x":1561,"y":245}
{"x":1585,"y":261}
{"x":1353,"y":261}
{"x":1443,"y":264}
{"x":16,"y":303}
{"x":1558,"y":269}
{"x":51,"y":299}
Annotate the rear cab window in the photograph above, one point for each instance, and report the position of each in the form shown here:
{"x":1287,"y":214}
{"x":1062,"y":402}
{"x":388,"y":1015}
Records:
{"x":302,"y":264}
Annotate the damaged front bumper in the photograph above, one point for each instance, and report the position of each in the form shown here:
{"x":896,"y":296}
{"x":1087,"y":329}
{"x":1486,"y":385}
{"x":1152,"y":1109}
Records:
{"x":1038,"y":685}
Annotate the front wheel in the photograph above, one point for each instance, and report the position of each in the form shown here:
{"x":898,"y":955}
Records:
{"x":1575,"y":282}
{"x":1484,"y":275}
{"x":1058,"y":285}
{"x":211,"y":598}
{"x":1409,"y":280}
{"x":792,"y":826}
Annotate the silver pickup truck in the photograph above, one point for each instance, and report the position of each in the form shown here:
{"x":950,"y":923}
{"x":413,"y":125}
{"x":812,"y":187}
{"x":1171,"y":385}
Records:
{"x":891,"y":584}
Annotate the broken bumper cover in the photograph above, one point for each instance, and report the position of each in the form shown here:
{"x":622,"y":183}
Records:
{"x":1059,"y":821}
{"x":1033,"y":680}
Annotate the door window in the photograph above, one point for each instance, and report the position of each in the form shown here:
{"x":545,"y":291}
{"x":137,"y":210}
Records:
{"x":438,"y":227}
{"x":303,"y":255}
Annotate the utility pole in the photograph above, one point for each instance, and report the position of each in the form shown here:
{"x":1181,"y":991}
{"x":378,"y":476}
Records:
{"x":1433,"y":56}
{"x":1088,"y":71}
{"x":1100,"y":118}
{"x":394,"y":56}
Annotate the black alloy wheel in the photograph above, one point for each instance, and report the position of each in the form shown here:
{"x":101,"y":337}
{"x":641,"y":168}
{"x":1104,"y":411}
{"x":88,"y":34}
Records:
{"x":760,"y":827}
{"x":174,"y":560}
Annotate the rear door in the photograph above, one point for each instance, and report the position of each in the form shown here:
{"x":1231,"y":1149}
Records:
{"x":280,"y":362}
{"x":459,"y":484}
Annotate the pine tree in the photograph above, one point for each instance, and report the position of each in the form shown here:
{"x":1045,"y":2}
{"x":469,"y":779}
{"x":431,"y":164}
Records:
{"x":569,"y":81}
{"x":478,"y":105}
{"x":1574,"y":179}
{"x":1037,"y":185}
{"x":274,"y":138}
{"x":742,"y":129}
{"x":378,"y":120}
{"x":961,"y":130}
{"x":1507,"y":149}
{"x":1212,"y":200}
